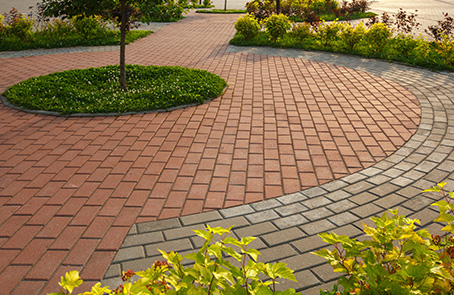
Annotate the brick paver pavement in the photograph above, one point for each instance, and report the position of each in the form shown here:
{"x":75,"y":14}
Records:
{"x":71,"y":188}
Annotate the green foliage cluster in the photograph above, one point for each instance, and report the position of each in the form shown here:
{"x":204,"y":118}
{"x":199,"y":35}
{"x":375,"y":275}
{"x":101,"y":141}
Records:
{"x":17,"y":33}
{"x":15,"y":25}
{"x":378,"y":41}
{"x":310,"y":10}
{"x":195,"y":3}
{"x":96,"y":90}
{"x":164,"y":11}
{"x":247,"y":26}
{"x":276,"y":26}
{"x":397,"y":258}
{"x":211,"y":272}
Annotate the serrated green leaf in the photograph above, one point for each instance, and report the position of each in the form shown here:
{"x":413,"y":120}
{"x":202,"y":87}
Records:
{"x":232,"y":253}
{"x":207,"y":235}
{"x":449,"y":228}
{"x":215,"y":250}
{"x":219,"y":230}
{"x":196,"y":256}
{"x":98,"y":290}
{"x":70,"y":281}
{"x":172,"y":257}
{"x":247,"y":240}
{"x":280,"y":269}
{"x":232,"y":241}
{"x":253,"y":253}
{"x":444,"y":218}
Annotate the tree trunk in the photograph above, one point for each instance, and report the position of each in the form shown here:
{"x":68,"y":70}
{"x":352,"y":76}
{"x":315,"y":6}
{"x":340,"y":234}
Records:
{"x":123,"y":30}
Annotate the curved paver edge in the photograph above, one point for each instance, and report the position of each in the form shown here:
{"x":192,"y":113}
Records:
{"x":287,"y":226}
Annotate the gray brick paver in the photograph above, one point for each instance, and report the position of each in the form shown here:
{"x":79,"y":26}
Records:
{"x":282,"y":236}
{"x":367,"y":210}
{"x":262,"y":216}
{"x":343,"y":218}
{"x":142,"y":239}
{"x":290,"y":209}
{"x":236,"y":211}
{"x":256,"y":229}
{"x":289,"y":221}
{"x":200,"y":218}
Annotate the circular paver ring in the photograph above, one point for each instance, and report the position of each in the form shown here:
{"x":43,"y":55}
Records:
{"x":287,"y":226}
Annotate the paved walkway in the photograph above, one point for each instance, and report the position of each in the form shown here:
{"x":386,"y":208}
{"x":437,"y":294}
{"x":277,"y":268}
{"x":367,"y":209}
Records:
{"x":300,"y":143}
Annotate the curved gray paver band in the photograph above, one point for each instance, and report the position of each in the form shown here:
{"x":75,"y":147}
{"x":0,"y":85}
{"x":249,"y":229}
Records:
{"x":287,"y":226}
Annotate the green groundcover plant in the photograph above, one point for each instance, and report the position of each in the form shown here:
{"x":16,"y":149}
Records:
{"x":96,"y":90}
{"x":391,"y":39}
{"x":211,"y":272}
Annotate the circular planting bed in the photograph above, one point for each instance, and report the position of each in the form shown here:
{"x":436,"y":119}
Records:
{"x":97,"y":90}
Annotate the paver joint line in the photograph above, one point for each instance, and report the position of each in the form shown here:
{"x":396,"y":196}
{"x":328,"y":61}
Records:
{"x":283,"y":157}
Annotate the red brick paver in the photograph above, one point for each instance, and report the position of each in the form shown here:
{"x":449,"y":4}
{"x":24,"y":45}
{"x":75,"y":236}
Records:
{"x":70,"y":188}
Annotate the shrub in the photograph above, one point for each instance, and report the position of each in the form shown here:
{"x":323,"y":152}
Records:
{"x":88,"y":26}
{"x":211,"y":272}
{"x":2,"y":27}
{"x":352,"y":36}
{"x":301,"y":31}
{"x":307,"y":10}
{"x":165,"y":11}
{"x":377,"y":37}
{"x":445,"y":49}
{"x":276,"y":26}
{"x":329,"y":33}
{"x":17,"y":25}
{"x":247,"y":26}
{"x":261,"y":9}
{"x":397,"y":259}
{"x":400,"y":46}
{"x":206,"y":3}
{"x":58,"y":29}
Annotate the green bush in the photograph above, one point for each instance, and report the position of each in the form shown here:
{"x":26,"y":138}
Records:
{"x":377,"y":37}
{"x":445,"y":49}
{"x":352,"y":36}
{"x":165,"y":11}
{"x":276,"y":26}
{"x":247,"y":26}
{"x":17,"y":26}
{"x":301,"y":31}
{"x":2,"y":27}
{"x":89,"y":26}
{"x":329,"y":33}
{"x":58,"y":29}
{"x":211,"y":273}
{"x":308,"y":10}
{"x":397,"y":258}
